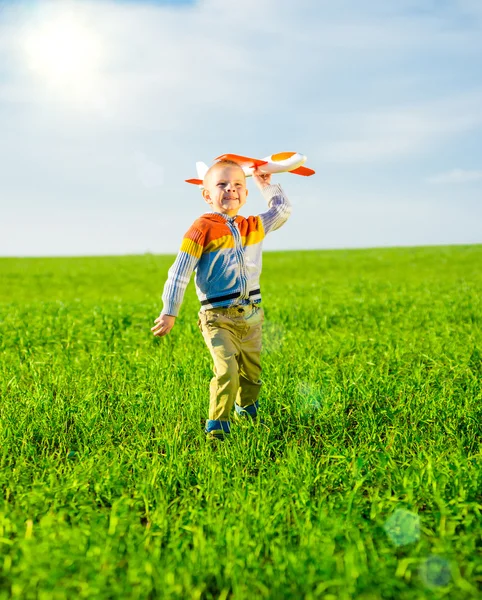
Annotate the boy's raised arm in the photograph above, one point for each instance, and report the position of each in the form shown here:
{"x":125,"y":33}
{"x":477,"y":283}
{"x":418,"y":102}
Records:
{"x":279,"y":205}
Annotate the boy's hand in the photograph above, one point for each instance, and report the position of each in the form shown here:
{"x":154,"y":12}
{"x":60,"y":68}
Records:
{"x":262,"y":180}
{"x":163,"y":326}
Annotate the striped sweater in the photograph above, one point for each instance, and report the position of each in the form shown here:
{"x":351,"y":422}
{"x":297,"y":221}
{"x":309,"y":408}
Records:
{"x":225,"y":252}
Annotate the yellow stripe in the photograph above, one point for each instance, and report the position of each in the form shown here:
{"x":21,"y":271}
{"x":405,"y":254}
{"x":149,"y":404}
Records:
{"x":191,"y":248}
{"x":254,"y":237}
{"x":226,"y":241}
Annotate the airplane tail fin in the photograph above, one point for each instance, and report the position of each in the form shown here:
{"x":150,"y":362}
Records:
{"x":201,"y":169}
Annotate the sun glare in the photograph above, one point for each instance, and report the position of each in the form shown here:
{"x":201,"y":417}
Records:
{"x":63,"y":52}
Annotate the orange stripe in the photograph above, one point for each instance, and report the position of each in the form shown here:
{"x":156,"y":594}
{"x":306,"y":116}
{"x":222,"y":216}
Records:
{"x":213,"y":232}
{"x":192,"y":233}
{"x":252,"y":231}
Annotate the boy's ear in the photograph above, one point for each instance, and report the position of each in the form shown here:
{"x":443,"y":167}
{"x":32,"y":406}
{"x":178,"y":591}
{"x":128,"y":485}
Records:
{"x":205,"y":194}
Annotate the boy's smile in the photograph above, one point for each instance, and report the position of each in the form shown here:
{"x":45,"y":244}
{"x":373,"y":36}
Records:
{"x":225,"y":189}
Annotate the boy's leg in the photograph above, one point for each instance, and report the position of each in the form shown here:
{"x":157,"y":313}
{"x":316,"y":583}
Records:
{"x":223,"y":345}
{"x":250,"y":364}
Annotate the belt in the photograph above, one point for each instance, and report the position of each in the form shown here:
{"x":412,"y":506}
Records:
{"x":228,"y":297}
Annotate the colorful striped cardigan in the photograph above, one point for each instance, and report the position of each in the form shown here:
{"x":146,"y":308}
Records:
{"x":225,"y":252}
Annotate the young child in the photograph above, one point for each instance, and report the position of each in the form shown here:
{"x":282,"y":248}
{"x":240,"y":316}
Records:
{"x":224,"y":249}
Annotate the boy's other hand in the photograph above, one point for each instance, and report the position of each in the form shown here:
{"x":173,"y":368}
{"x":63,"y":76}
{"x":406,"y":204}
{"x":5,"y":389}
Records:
{"x":262,"y":180}
{"x":163,"y":326}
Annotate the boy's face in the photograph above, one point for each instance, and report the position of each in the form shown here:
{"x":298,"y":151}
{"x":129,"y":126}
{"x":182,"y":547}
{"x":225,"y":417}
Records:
{"x":225,"y":189}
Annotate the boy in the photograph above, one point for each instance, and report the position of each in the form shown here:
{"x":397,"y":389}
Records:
{"x":225,"y":251}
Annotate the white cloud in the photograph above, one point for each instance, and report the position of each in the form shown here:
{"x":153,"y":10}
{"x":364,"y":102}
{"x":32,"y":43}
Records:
{"x":456,"y":176}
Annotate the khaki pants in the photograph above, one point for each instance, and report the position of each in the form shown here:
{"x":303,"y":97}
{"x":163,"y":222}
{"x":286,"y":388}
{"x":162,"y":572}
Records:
{"x":233,"y":337}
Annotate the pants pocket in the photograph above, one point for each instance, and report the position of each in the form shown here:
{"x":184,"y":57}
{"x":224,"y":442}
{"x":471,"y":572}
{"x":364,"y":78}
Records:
{"x":208,"y":318}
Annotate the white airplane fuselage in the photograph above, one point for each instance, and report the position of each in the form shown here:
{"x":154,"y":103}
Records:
{"x":271,"y":166}
{"x":278,"y":166}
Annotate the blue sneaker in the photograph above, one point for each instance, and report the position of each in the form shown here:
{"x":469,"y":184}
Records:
{"x":248,"y":412}
{"x":217,"y":430}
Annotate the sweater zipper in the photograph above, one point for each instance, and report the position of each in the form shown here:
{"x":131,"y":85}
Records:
{"x":242,"y":264}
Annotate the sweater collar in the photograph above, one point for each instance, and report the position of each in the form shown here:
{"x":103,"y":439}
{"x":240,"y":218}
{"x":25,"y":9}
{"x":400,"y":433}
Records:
{"x":221,"y":216}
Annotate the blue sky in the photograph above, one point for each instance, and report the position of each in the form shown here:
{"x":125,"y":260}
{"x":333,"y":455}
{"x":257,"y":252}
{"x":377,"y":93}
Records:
{"x":106,"y":106}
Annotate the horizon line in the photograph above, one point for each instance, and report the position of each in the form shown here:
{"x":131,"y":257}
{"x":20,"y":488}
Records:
{"x":341,"y":249}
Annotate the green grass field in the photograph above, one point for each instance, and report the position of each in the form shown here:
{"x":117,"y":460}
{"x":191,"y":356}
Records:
{"x":365,"y":482}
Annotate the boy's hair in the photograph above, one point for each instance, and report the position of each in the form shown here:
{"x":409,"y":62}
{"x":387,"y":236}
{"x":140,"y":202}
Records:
{"x":229,"y":163}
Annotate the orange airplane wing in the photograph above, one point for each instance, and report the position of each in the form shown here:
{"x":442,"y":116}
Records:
{"x":194,"y":181}
{"x":303,"y":171}
{"x":243,"y":161}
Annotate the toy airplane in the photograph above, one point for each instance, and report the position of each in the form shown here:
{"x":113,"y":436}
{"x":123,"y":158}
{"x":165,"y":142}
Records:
{"x":276,"y":163}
